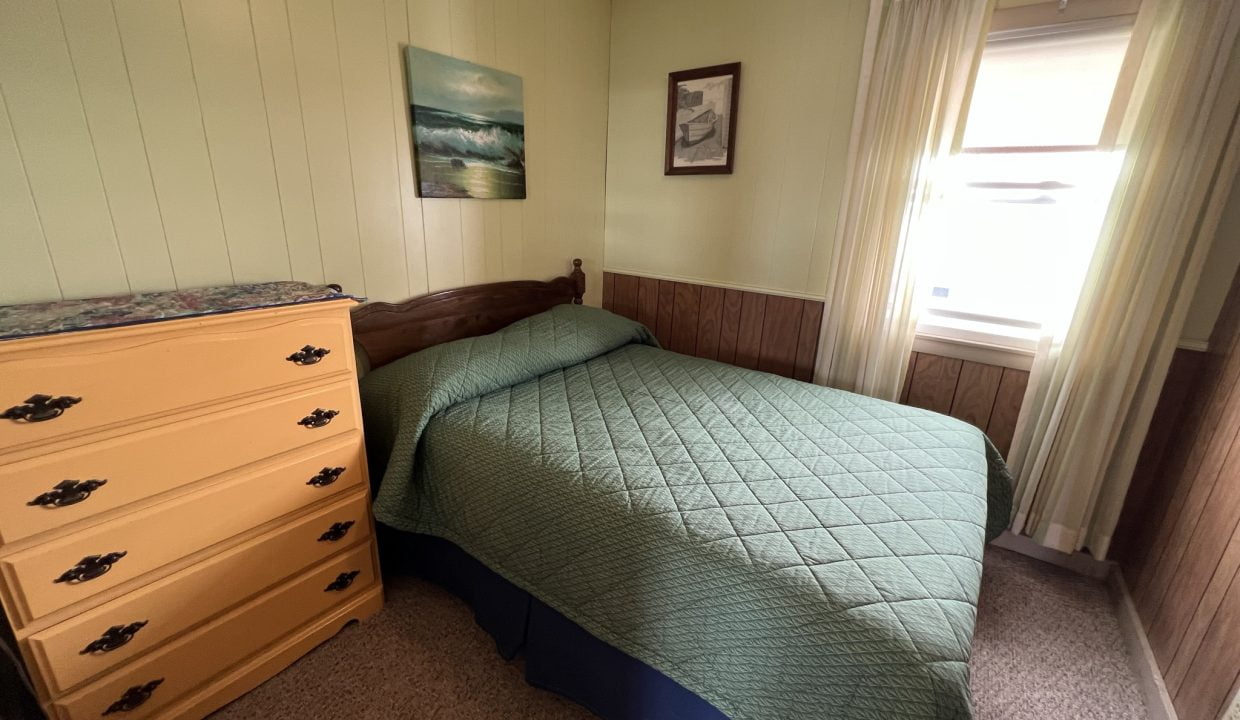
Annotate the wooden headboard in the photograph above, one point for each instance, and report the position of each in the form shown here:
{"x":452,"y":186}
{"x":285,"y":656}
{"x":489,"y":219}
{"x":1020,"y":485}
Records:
{"x":387,"y":331}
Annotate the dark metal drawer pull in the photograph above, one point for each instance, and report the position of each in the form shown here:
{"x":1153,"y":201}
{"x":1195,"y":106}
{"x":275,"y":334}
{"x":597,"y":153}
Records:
{"x":308,"y":355}
{"x":318,"y":418}
{"x":326,"y":476}
{"x":336,"y":532}
{"x":133,"y":697}
{"x":342,"y":581}
{"x":113,"y":638}
{"x":41,"y":407}
{"x":90,"y":567}
{"x":68,"y":492}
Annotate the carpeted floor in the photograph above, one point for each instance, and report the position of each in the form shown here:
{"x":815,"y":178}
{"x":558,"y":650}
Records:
{"x":1047,"y":646}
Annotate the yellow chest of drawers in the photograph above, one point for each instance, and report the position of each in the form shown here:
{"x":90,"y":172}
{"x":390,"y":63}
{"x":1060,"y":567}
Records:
{"x":184,"y":507}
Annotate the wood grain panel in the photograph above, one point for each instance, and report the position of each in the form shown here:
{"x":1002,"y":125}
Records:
{"x":609,"y":290}
{"x":779,"y":334}
{"x":685,"y":318}
{"x":1217,"y":528}
{"x":730,"y":325}
{"x":1201,"y":467}
{"x":1148,"y":496}
{"x":749,"y":332}
{"x":1181,"y":524}
{"x":769,"y":332}
{"x":1206,"y":406}
{"x":1214,"y":671}
{"x":1008,"y":399}
{"x":807,"y":340}
{"x":975,"y":392}
{"x":1207,"y":401}
{"x":710,"y":320}
{"x":667,"y":307}
{"x":908,"y":377}
{"x":1172,"y":634}
{"x":648,"y":302}
{"x":624,"y":300}
{"x":934,"y":382}
{"x":781,"y":330}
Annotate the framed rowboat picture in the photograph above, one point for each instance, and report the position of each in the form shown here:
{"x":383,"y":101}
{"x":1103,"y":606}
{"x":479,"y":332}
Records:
{"x":701,"y":120}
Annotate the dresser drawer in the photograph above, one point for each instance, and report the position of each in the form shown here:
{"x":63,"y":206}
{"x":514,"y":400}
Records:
{"x":147,"y":463}
{"x":37,"y":580}
{"x":158,"y":612}
{"x":181,"y":666}
{"x":120,"y":376}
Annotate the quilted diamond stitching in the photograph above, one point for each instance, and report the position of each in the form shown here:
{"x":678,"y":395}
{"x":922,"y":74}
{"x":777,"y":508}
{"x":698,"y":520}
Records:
{"x":820,"y":543}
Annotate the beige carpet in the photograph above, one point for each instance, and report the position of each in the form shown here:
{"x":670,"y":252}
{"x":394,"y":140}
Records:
{"x":1048,"y":647}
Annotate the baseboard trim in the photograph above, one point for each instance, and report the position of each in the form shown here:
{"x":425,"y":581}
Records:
{"x":1158,"y":704}
{"x":1079,"y":563}
{"x":1141,"y":658}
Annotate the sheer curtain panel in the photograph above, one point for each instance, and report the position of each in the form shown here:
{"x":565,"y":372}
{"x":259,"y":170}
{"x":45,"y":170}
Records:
{"x":920,"y":58}
{"x":1094,"y":383}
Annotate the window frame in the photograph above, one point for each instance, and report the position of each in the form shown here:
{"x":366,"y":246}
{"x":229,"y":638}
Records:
{"x":1047,"y":18}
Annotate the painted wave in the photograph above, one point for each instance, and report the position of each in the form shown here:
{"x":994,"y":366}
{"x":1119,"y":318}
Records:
{"x":456,"y":135}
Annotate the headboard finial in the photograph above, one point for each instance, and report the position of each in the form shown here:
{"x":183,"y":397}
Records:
{"x":579,"y":281}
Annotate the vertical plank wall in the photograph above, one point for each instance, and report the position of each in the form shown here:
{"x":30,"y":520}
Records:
{"x":986,"y":396}
{"x":1180,"y":549}
{"x":150,"y":146}
{"x":753,"y":330}
{"x":779,"y":334}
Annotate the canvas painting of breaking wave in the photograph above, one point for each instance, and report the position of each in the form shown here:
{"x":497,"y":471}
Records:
{"x":468,"y":128}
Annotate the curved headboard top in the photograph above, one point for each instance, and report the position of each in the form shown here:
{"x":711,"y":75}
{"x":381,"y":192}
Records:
{"x":388,"y":331}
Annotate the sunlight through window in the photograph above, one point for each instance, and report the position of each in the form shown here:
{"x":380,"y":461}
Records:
{"x":1021,"y":205}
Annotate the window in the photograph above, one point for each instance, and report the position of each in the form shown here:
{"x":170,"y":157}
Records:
{"x":1021,"y":204}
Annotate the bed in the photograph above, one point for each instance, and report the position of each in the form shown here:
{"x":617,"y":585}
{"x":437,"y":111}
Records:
{"x":667,"y":536}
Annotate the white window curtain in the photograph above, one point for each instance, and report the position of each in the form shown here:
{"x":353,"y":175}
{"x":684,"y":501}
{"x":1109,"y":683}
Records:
{"x":1096,"y":379}
{"x":920,"y":58}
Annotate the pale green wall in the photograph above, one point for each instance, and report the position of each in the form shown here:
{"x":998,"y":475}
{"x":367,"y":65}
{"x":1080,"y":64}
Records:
{"x":149,"y":146}
{"x":770,"y":224}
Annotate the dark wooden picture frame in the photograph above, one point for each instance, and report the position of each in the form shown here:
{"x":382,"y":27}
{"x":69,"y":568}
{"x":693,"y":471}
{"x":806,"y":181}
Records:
{"x":711,"y":132}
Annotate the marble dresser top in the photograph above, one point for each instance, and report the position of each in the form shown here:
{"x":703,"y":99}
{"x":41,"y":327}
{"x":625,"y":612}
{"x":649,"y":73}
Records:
{"x":19,"y":321}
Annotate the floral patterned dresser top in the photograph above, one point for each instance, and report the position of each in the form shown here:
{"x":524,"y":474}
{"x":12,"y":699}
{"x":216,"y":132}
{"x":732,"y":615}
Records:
{"x":19,"y":321}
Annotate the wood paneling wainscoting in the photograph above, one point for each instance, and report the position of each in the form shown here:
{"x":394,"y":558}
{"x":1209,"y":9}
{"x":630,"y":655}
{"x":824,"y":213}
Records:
{"x":1178,"y":541}
{"x":772,"y":333}
{"x":985,"y":396}
{"x":779,"y":334}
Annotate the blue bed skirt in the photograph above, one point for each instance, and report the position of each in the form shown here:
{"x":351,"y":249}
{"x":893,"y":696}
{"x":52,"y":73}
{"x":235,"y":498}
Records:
{"x":560,"y":656}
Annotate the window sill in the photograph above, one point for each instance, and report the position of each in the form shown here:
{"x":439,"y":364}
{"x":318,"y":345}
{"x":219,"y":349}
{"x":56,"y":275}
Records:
{"x":977,"y":345}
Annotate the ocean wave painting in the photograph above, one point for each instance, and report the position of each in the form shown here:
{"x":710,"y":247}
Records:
{"x":468,"y":128}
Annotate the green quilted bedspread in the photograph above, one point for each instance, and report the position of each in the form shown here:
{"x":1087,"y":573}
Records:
{"x":781,"y":549}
